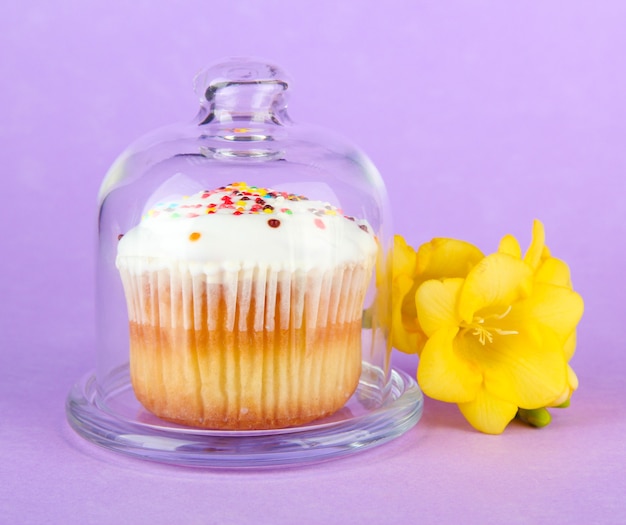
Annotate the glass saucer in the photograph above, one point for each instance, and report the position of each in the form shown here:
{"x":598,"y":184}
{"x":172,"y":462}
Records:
{"x":118,"y":422}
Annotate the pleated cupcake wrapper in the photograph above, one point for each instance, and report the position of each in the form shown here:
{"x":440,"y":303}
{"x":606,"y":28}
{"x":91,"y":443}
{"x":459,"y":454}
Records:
{"x":259,"y":345}
{"x":192,"y":300}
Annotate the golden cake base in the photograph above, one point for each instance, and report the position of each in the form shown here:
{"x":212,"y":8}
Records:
{"x":219,"y":379}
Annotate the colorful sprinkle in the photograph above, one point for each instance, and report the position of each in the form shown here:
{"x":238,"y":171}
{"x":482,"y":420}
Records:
{"x":119,"y":237}
{"x":194,"y":236}
{"x":239,"y":198}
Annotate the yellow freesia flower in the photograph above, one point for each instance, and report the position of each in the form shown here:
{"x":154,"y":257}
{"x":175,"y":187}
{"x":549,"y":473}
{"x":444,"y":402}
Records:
{"x":494,"y":334}
{"x":405,"y":332}
{"x":494,"y":340}
{"x":498,"y":330}
{"x":437,"y":259}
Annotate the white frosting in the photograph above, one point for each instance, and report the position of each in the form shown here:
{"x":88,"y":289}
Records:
{"x":232,"y":229}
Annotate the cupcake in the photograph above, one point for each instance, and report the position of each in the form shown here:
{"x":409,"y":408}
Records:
{"x":245,"y":307}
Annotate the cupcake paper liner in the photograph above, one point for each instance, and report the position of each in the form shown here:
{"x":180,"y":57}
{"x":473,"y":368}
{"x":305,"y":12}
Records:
{"x":247,"y":348}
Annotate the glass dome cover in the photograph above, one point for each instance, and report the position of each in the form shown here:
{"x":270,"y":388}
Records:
{"x":242,"y":264}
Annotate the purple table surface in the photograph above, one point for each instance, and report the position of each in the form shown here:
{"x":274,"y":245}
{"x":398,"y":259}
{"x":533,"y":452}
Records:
{"x":481,"y":115}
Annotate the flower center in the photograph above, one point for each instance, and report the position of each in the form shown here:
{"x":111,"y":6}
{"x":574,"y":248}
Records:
{"x":484,"y":331}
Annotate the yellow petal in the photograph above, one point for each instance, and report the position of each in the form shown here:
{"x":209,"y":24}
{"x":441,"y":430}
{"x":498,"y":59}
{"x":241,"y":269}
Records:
{"x":404,"y":257}
{"x":537,"y":244}
{"x":562,"y":401}
{"x":572,"y":384}
{"x":496,"y":281}
{"x":487,"y":413}
{"x":510,"y":246}
{"x":436,"y":304}
{"x":554,"y":271}
{"x":553,"y":307}
{"x":527,"y":369}
{"x":401,"y":338}
{"x":570,"y":346}
{"x":572,"y":379}
{"x":446,"y":258}
{"x":442,"y":374}
{"x":405,"y":340}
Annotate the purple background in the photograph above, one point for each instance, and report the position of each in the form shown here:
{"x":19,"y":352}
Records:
{"x":481,"y":115}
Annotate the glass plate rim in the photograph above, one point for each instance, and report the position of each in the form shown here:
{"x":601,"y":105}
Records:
{"x":245,"y":449}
